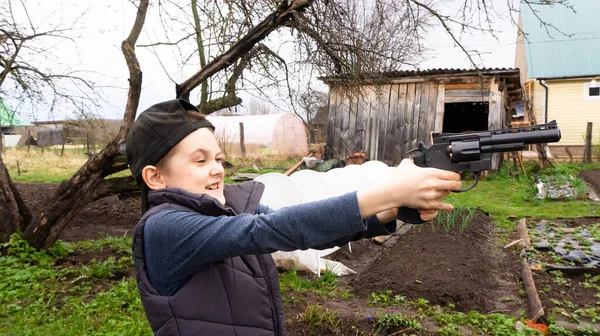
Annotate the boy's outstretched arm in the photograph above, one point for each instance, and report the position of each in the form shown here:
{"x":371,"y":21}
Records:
{"x":179,"y":242}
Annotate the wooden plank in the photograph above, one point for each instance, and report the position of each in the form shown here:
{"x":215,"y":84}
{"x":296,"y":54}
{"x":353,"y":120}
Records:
{"x":400,"y":148}
{"x":505,"y":115}
{"x":333,"y":92}
{"x":496,"y":108}
{"x":339,"y":110}
{"x":393,"y":132}
{"x":371,"y":131}
{"x":494,"y":118}
{"x":352,"y":123}
{"x":468,"y":93}
{"x":465,"y":80}
{"x":383,"y":111}
{"x":468,"y":86}
{"x":361,"y":127}
{"x":466,"y":99}
{"x":431,"y":112}
{"x":344,"y":125}
{"x":296,"y":165}
{"x":416,"y":114}
{"x":423,"y":111}
{"x":439,"y":111}
{"x":411,"y":92}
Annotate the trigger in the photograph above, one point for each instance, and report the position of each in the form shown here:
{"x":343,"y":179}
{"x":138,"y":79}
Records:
{"x":420,"y":148}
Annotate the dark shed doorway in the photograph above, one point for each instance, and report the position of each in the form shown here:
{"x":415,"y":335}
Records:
{"x":465,"y":117}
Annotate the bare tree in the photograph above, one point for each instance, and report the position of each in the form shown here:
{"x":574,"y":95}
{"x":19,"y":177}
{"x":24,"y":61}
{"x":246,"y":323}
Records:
{"x":224,"y":139}
{"x":311,"y":102}
{"x":31,"y":72}
{"x":24,"y":46}
{"x":343,"y":36}
{"x":88,"y":182}
{"x":259,"y":107}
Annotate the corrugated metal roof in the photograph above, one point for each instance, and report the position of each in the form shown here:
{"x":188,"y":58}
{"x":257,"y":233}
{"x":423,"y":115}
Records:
{"x":423,"y":73}
{"x":8,"y":117}
{"x":550,"y":53}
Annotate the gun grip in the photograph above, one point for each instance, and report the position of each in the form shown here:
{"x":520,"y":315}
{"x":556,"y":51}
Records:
{"x":409,"y":215}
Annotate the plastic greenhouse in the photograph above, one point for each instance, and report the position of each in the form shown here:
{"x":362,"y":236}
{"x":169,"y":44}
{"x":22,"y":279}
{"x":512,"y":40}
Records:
{"x":282,"y":133}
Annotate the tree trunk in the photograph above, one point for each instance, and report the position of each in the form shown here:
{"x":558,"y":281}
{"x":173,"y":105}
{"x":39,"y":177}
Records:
{"x":75,"y":193}
{"x":14,"y":214}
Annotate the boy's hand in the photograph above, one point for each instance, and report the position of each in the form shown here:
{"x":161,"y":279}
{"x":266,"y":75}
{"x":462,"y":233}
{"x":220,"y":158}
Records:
{"x":422,"y":188}
{"x":428,"y":215}
{"x":410,"y":186}
{"x":390,"y":215}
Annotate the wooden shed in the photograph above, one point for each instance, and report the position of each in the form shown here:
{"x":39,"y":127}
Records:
{"x":386,"y":115}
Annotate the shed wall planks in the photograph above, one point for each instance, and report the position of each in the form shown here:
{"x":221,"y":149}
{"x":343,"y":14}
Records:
{"x":388,"y":120}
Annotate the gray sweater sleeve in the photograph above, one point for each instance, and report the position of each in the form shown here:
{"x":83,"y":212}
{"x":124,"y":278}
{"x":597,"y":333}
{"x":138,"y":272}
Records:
{"x":178,"y":242}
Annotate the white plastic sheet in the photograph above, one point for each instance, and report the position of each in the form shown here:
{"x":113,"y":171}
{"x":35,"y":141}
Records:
{"x":306,"y":186}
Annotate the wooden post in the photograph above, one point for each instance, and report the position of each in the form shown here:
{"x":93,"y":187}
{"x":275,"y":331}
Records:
{"x":62,"y":149}
{"x":87,"y":144}
{"x":28,"y":140}
{"x":93,"y":143}
{"x":242,"y":141}
{"x":570,"y":154}
{"x":587,"y":151}
{"x":18,"y":169}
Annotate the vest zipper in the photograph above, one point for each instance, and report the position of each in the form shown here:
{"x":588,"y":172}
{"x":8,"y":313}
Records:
{"x":263,"y":266}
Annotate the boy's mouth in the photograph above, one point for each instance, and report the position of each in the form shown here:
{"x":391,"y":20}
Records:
{"x":213,"y":186}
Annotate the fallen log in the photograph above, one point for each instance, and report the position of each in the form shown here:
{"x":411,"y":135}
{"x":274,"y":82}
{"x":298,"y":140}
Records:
{"x":536,"y":310}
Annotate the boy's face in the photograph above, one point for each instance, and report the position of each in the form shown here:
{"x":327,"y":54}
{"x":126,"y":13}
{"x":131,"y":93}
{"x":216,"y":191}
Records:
{"x":196,"y":165}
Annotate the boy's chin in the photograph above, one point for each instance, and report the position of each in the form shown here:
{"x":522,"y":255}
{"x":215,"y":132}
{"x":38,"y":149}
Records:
{"x":219,"y":197}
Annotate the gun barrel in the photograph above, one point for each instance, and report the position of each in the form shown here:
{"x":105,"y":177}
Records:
{"x":542,"y":133}
{"x":524,"y":137}
{"x":468,"y":147}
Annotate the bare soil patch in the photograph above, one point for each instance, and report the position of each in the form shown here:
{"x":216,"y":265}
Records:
{"x":467,"y":269}
{"x":106,"y":217}
{"x":593,"y":178}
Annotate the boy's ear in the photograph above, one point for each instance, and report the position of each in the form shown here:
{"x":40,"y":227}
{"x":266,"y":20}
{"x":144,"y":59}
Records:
{"x":153,"y":180}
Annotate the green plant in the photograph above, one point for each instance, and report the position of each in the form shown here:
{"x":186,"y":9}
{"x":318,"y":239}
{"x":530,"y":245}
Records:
{"x":380,"y":299}
{"x":398,"y":299}
{"x":117,"y":244}
{"x":448,"y":330}
{"x":107,"y":268}
{"x":558,"y":278}
{"x":325,"y":285}
{"x":587,"y":330}
{"x":558,"y":331}
{"x":447,"y":220}
{"x":316,"y":317}
{"x":395,"y":322}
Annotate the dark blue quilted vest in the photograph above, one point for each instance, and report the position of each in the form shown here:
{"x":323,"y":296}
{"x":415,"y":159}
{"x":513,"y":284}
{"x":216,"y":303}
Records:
{"x":238,"y":296}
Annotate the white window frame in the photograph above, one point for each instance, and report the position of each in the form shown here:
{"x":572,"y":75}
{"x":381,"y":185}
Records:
{"x":586,"y":92}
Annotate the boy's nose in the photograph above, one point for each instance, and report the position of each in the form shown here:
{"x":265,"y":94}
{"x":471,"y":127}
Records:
{"x":217,"y":168}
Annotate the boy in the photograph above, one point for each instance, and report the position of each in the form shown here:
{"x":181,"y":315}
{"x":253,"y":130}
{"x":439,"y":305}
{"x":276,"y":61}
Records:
{"x":202,"y":249}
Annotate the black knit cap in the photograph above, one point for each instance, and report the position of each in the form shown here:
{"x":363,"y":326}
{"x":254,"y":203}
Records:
{"x":155,"y":132}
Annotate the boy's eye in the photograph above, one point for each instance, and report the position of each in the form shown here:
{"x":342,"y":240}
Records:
{"x":219,"y":159}
{"x":201,"y":161}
